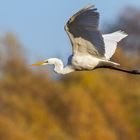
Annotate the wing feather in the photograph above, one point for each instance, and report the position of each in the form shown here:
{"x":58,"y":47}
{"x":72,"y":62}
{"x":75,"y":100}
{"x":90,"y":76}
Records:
{"x":84,"y":25}
{"x":111,"y":41}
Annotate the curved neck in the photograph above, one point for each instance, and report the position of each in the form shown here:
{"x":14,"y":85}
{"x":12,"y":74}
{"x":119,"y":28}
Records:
{"x":59,"y":66}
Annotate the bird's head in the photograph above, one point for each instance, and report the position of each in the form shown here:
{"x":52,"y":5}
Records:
{"x":51,"y":61}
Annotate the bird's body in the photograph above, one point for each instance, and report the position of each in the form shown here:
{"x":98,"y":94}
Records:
{"x":90,"y":49}
{"x":89,"y":62}
{"x":80,"y":62}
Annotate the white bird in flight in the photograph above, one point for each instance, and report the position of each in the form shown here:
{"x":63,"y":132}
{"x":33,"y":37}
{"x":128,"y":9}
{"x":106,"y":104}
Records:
{"x":90,"y":48}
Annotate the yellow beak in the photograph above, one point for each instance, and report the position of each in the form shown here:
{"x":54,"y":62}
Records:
{"x":38,"y":63}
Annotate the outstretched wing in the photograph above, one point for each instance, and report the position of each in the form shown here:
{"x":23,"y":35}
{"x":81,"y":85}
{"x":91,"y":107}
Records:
{"x":111,"y":41}
{"x":82,"y":29}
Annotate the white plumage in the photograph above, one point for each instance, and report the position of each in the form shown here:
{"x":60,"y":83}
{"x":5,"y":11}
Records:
{"x":111,"y":41}
{"x":90,"y":49}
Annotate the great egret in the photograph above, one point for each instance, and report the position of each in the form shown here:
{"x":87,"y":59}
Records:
{"x":90,"y":49}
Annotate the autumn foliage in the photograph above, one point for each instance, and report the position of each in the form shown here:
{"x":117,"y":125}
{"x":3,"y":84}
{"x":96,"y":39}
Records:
{"x":98,"y":105}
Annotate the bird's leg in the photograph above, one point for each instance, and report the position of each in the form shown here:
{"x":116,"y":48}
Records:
{"x":136,"y":72}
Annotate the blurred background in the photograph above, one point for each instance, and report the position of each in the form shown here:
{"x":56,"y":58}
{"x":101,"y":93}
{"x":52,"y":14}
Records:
{"x":35,"y":104}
